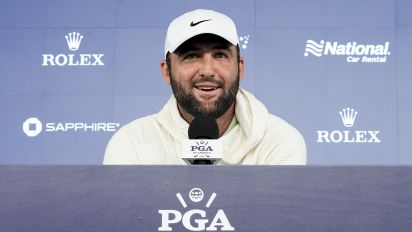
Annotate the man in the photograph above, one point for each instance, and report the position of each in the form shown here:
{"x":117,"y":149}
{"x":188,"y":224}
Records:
{"x":203,"y":66}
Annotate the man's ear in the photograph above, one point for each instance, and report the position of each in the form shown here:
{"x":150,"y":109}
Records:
{"x":164,"y":69}
{"x":241,"y":68}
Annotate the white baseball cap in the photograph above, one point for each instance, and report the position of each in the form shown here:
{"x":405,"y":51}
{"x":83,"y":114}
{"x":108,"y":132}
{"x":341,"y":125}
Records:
{"x":199,"y":22}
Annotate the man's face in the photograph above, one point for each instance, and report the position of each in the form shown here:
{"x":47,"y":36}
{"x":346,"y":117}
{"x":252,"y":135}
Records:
{"x":204,"y":74}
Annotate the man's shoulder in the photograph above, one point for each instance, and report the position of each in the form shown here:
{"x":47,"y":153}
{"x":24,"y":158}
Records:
{"x":134,"y":132}
{"x":139,"y":124}
{"x":143,"y":121}
{"x":277,"y":127}
{"x":275,"y":121}
{"x":127,"y":143}
{"x":285,"y":141}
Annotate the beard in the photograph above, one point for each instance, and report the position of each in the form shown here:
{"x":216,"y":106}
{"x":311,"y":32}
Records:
{"x":191,"y":105}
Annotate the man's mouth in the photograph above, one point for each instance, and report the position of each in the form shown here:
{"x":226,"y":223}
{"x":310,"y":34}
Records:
{"x":207,"y":88}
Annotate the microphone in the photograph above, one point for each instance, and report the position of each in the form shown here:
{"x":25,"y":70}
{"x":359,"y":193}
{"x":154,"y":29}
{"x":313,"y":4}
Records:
{"x":203,"y":127}
{"x":203,"y":147}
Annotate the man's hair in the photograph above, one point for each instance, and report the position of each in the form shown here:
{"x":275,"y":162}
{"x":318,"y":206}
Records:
{"x":169,"y":64}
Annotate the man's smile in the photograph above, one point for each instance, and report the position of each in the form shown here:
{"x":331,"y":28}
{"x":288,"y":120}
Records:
{"x":206,"y":86}
{"x":207,"y":91}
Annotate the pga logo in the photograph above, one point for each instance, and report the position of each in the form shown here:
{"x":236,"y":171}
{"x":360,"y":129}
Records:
{"x":195,"y":219}
{"x":201,"y":146}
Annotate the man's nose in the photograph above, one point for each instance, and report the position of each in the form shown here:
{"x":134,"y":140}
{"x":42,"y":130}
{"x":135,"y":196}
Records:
{"x":207,"y":67}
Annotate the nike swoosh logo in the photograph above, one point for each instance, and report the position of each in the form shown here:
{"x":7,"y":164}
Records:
{"x":192,"y":24}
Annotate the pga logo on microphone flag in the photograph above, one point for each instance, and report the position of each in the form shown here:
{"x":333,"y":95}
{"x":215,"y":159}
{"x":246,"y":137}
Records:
{"x":201,"y":149}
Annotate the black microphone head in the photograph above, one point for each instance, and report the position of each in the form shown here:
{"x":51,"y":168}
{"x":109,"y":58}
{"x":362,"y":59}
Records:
{"x":203,"y":127}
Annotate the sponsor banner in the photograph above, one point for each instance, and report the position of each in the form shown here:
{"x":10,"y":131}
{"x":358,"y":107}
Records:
{"x":348,"y":117}
{"x":32,"y":127}
{"x":73,"y":40}
{"x":354,"y":52}
{"x":196,"y":218}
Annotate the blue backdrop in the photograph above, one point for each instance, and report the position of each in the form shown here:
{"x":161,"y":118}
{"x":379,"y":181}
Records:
{"x":56,"y":112}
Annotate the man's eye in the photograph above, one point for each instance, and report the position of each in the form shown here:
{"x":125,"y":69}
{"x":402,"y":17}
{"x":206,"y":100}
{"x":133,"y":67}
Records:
{"x":191,"y":56}
{"x":221,"y":55}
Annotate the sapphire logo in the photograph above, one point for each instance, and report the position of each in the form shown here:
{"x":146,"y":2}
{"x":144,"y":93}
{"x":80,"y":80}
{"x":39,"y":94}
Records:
{"x":354,"y":52}
{"x":73,"y":40}
{"x":348,"y":116}
{"x":32,"y":127}
{"x":195,"y":219}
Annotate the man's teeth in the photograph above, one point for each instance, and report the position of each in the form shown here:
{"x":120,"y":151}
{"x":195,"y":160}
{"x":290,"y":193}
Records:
{"x":206,"y":88}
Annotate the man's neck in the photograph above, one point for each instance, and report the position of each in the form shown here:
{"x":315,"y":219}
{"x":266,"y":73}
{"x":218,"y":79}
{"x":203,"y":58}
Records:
{"x":223,"y":121}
